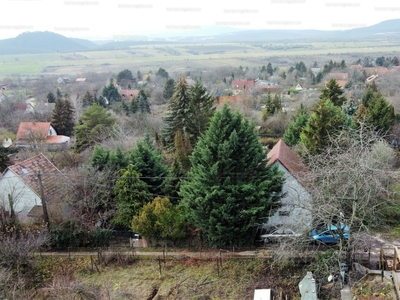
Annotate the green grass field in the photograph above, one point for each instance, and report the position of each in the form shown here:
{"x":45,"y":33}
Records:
{"x":178,"y":57}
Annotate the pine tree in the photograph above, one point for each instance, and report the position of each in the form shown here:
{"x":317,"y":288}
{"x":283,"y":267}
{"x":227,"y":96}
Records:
{"x":380,"y":114}
{"x":95,"y":125}
{"x":169,"y":89}
{"x":270,"y":71}
{"x":148,"y":162}
{"x":201,"y":110}
{"x":142,"y":103}
{"x":63,"y":117}
{"x":291,"y":136}
{"x":326,"y":120}
{"x":178,"y":112}
{"x":131,"y":194}
{"x":172,"y":183}
{"x":51,"y":98}
{"x":231,"y":186}
{"x":88,"y":99}
{"x":333,"y":92}
{"x":111,"y":93}
{"x":100,"y":158}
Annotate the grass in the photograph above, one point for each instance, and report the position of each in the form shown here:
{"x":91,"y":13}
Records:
{"x":177,"y":278}
{"x":177,"y":57}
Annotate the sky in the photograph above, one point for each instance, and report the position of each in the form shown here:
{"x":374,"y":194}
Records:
{"x":130,"y":19}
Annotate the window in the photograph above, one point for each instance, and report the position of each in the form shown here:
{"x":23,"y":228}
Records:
{"x":284,"y":213}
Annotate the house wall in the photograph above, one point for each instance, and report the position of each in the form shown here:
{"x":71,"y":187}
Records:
{"x":295,"y":212}
{"x":24,"y":197}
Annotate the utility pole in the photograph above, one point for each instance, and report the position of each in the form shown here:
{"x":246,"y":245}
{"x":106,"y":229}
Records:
{"x":45,"y":214}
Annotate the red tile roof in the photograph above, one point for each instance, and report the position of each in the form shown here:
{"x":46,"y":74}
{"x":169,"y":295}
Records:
{"x":26,"y":171}
{"x":129,"y":94}
{"x":340,"y":83}
{"x":338,"y":76}
{"x":223,"y":99}
{"x":242,"y":84}
{"x":290,"y":160}
{"x":27,"y":128}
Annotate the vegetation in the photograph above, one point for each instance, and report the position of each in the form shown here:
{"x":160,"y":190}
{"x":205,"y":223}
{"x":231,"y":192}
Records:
{"x":63,"y":117}
{"x":95,"y":125}
{"x":230,"y":184}
{"x":204,"y":178}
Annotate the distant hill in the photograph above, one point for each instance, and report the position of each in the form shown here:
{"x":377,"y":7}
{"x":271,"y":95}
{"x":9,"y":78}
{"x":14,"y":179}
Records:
{"x":46,"y":42}
{"x":43,"y":42}
{"x":377,"y":31}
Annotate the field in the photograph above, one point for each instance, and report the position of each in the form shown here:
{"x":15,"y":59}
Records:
{"x":180,"y":57}
{"x":177,"y":278}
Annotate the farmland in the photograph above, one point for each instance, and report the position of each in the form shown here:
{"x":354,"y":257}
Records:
{"x":179,"y":57}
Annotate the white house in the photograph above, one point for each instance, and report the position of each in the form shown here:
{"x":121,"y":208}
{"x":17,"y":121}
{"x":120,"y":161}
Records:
{"x":33,"y":134}
{"x":295,"y":211}
{"x":21,"y":183}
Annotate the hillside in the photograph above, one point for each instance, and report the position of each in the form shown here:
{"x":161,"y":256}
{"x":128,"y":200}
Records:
{"x":43,"y":42}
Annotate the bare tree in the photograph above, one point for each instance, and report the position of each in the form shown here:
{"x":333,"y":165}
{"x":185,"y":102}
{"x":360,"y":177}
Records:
{"x":350,"y":184}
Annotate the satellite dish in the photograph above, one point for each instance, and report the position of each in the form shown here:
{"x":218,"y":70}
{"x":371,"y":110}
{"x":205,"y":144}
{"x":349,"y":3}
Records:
{"x":7,"y":142}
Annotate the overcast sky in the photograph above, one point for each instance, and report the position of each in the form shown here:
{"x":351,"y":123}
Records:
{"x":116,"y":19}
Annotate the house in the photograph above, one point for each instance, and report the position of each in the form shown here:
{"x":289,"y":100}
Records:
{"x":271,"y":89}
{"x":298,"y":87}
{"x":295,"y":210}
{"x":227,"y":99}
{"x":34,"y":134}
{"x":371,"y":78}
{"x":3,"y":86}
{"x":376,"y":70}
{"x":21,"y":182}
{"x":338,"y":76}
{"x":80,"y":79}
{"x":341,"y":83}
{"x":315,"y":71}
{"x":128,"y":95}
{"x":44,"y":108}
{"x":356,"y":67}
{"x":24,"y":107}
{"x":63,"y":80}
{"x":240,"y":84}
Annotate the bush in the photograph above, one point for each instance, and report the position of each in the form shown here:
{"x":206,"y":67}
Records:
{"x":69,"y":235}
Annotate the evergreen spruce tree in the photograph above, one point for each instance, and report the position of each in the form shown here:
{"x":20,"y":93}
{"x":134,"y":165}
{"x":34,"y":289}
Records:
{"x":148,"y":162}
{"x":326,"y":120}
{"x":291,"y":136}
{"x":131,"y":194}
{"x":100,"y":158}
{"x":201,"y":110}
{"x":111,"y":93}
{"x":178,"y":112}
{"x":270,"y":71}
{"x":172,"y":183}
{"x":51,"y":98}
{"x":169,"y":89}
{"x":380,"y":114}
{"x":231,"y":186}
{"x":142,"y":103}
{"x":101,"y":101}
{"x":88,"y":99}
{"x":333,"y":92}
{"x":63,"y":117}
